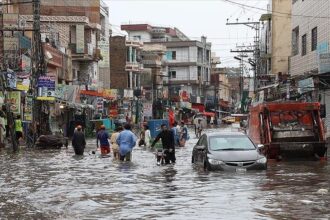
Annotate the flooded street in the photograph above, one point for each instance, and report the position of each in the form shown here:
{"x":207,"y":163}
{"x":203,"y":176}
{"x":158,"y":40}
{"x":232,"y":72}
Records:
{"x":54,"y":184}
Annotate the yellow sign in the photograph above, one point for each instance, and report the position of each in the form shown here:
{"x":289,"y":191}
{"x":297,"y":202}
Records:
{"x":45,"y":98}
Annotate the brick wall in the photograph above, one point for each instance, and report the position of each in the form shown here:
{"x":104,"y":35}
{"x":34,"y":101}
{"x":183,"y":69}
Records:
{"x":88,"y":8}
{"x":119,"y":76}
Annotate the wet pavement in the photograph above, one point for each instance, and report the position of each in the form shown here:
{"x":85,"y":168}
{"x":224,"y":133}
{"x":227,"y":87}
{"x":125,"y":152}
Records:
{"x":54,"y":184}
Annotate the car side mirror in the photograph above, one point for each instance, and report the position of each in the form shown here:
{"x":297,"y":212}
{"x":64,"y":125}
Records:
{"x":259,"y":146}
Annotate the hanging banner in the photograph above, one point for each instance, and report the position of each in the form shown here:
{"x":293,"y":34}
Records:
{"x":28,"y":108}
{"x":147,"y":109}
{"x":46,"y":88}
{"x":14,"y":99}
{"x":104,"y":49}
{"x":99,"y":105}
{"x":23,"y":82}
{"x":26,"y":64}
{"x":11,"y":79}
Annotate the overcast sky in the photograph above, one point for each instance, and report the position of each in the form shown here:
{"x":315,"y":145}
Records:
{"x":194,"y":18}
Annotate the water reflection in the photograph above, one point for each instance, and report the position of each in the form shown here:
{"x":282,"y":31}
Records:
{"x":55,"y":184}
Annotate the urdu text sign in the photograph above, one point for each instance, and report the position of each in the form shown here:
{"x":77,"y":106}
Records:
{"x":324,"y":63}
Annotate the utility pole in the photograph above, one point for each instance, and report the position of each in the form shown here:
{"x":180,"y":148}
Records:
{"x":255,"y":50}
{"x":40,"y":124}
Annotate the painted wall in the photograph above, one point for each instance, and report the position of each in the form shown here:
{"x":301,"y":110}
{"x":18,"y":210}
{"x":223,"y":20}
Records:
{"x":281,"y":36}
{"x":301,"y":64}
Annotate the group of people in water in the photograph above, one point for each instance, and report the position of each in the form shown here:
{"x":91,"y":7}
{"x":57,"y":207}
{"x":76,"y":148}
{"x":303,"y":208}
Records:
{"x":123,"y":140}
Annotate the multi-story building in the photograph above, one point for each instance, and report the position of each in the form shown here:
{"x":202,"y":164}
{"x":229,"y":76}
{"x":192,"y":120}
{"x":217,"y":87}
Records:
{"x":76,"y":27}
{"x":310,"y":61}
{"x":224,"y":89}
{"x":275,"y":45}
{"x":189,"y":62}
{"x":126,"y":65}
{"x":104,"y":47}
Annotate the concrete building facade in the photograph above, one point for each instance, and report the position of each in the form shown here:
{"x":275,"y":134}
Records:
{"x":189,"y":62}
{"x":310,"y":60}
{"x":126,"y":66}
{"x":275,"y":46}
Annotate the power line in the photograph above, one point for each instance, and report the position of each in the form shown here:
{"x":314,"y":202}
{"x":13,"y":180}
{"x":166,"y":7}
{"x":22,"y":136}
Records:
{"x":278,"y":12}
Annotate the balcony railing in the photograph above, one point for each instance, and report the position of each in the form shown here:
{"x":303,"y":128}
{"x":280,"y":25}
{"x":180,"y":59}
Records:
{"x":133,"y":66}
{"x":90,"y":52}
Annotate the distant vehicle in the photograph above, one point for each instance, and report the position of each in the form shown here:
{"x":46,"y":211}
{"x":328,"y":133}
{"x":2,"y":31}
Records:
{"x":120,"y":120}
{"x":228,"y":151}
{"x":229,"y":120}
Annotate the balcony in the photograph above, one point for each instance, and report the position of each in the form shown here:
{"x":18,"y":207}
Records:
{"x":152,"y":63}
{"x":133,"y":67}
{"x":90,"y":53}
{"x":134,"y":43}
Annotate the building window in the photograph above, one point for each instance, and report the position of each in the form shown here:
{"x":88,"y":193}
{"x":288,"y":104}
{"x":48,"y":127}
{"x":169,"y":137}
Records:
{"x":295,"y":41}
{"x":137,"y":37}
{"x":314,"y":38}
{"x":303,"y":45}
{"x":173,"y":74}
{"x":173,"y":55}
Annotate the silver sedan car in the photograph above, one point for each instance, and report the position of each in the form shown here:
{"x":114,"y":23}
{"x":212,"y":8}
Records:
{"x":228,"y":151}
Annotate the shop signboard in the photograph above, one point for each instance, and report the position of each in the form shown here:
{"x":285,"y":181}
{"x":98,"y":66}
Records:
{"x":28,"y":108}
{"x":10,"y":20}
{"x":306,"y":85}
{"x":324,"y":63}
{"x":99,"y":105}
{"x":104,"y":49}
{"x":10,"y":43}
{"x":147,"y":109}
{"x":11,"y":79}
{"x":128,"y":93}
{"x":23,"y":82}
{"x":14,"y":100}
{"x":46,"y":88}
{"x":109,"y":93}
{"x":26,"y":64}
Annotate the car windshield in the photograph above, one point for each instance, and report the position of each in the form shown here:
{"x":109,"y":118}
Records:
{"x":231,"y":143}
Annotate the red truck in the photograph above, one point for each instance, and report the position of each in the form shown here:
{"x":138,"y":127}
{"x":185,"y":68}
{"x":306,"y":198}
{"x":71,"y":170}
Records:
{"x":288,"y":129}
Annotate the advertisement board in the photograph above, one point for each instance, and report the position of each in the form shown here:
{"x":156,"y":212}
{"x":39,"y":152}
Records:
{"x":14,"y":99}
{"x":46,"y":88}
{"x":104,"y":49}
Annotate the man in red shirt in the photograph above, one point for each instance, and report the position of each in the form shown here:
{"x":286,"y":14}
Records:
{"x":103,"y":137}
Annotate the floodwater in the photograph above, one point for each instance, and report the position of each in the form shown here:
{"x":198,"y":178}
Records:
{"x":54,"y":184}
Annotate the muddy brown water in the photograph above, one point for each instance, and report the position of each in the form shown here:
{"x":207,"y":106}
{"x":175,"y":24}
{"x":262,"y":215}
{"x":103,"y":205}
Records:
{"x":54,"y":184}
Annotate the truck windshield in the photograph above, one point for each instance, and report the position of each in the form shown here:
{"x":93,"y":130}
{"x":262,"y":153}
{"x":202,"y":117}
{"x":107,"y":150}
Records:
{"x":231,"y":143}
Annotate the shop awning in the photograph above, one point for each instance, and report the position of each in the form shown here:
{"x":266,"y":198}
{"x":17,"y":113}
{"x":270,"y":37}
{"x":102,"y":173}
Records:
{"x":209,"y":114}
{"x":96,"y":94}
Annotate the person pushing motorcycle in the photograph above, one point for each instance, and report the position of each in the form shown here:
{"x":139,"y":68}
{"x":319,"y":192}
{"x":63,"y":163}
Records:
{"x":167,"y":137}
